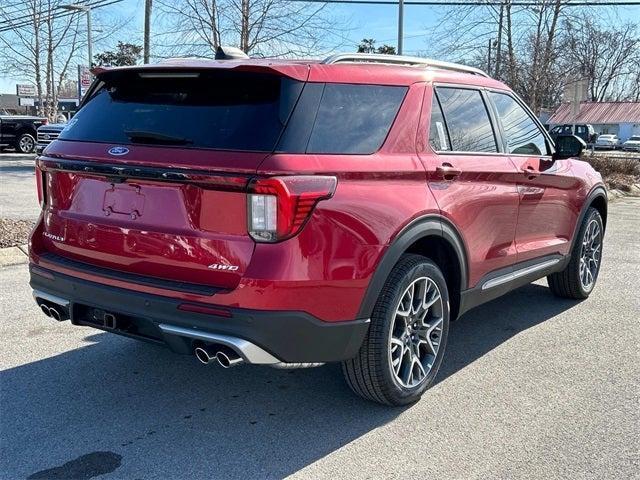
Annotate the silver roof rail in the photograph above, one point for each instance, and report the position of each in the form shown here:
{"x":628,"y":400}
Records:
{"x":401,"y":60}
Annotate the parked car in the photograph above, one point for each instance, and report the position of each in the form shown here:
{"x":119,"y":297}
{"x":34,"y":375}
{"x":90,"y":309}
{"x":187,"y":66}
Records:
{"x":294,"y":213}
{"x":632,"y":145}
{"x":47,"y":134}
{"x":19,"y":132}
{"x":584,"y":131}
{"x":608,"y":141}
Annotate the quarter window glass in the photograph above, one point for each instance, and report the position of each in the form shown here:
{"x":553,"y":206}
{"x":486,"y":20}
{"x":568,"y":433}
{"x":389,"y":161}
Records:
{"x":438,"y":136}
{"x":522,"y":134}
{"x":468,"y":121}
{"x":354,"y":118}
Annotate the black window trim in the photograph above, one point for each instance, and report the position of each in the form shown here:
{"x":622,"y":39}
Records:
{"x":497,"y":134}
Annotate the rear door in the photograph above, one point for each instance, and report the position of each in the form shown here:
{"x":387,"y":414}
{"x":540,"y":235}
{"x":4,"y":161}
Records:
{"x":472,"y":181}
{"x":546,"y":217}
{"x":149,"y":178}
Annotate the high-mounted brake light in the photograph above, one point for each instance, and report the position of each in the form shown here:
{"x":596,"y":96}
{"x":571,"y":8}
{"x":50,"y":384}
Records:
{"x":280,"y":206}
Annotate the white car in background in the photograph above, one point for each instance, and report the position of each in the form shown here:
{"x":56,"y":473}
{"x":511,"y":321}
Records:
{"x":608,"y":141}
{"x":632,"y":145}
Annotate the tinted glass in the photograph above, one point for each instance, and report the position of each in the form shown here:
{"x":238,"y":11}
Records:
{"x":354,"y":118}
{"x":438,"y":136}
{"x":467,"y":119}
{"x":217,"y":110}
{"x":522,"y":133}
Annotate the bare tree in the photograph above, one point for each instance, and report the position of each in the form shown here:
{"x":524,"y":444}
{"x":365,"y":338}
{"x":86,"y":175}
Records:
{"x":609,"y":57}
{"x":258,"y":27}
{"x":39,"y":43}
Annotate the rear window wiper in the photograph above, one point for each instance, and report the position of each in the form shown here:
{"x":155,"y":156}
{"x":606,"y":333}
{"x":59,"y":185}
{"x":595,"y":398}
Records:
{"x":140,"y":136}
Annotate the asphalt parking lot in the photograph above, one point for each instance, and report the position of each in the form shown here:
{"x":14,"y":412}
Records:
{"x":532,"y":387}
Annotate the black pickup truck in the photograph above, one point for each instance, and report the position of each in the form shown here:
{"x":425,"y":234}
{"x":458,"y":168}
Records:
{"x":19,"y":132}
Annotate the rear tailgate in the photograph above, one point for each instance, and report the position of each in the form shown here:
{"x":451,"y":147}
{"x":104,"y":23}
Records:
{"x":150,"y":180}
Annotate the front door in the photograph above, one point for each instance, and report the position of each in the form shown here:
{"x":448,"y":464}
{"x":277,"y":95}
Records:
{"x":546,"y":217}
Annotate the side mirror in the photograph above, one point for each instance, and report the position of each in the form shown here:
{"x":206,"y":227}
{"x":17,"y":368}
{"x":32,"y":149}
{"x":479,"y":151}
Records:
{"x":568,"y":146}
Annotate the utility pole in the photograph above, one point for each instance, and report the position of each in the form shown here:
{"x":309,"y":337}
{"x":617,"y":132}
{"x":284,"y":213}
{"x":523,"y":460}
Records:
{"x":148,"y":4}
{"x":400,"y":25}
{"x":489,"y":56}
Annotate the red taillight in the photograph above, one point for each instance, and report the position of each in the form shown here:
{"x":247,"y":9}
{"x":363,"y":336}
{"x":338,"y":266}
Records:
{"x":41,"y":186}
{"x":279,"y":206}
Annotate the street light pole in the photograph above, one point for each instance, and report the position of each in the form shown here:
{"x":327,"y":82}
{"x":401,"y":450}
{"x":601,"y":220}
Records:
{"x":90,"y":47}
{"x":400,"y":25}
{"x":87,"y":10}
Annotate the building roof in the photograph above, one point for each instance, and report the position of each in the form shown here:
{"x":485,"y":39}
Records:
{"x":598,"y":113}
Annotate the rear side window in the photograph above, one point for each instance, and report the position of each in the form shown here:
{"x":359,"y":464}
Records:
{"x":523,"y":135}
{"x":212,"y":110}
{"x":467,"y":119}
{"x":354,"y":119}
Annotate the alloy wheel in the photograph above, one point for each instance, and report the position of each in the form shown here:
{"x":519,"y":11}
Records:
{"x":416,"y":333}
{"x":590,"y":254}
{"x":26,"y":144}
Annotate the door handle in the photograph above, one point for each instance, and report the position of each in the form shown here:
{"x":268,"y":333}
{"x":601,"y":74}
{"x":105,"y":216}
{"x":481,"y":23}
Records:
{"x":530,"y":171}
{"x":448,"y":171}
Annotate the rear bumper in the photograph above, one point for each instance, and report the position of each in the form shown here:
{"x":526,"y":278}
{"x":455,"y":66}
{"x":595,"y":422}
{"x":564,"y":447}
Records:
{"x":284,"y":336}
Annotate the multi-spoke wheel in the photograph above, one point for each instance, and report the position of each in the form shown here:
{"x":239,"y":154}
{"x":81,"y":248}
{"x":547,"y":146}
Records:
{"x":404,"y":346}
{"x":414,"y":338}
{"x":590,"y":254}
{"x":579,"y":277}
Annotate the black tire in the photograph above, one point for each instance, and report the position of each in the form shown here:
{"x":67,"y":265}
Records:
{"x":26,"y":143}
{"x":370,"y":373}
{"x":567,"y":283}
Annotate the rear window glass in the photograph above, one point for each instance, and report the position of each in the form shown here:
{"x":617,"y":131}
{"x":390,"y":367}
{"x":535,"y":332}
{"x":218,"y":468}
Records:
{"x":215,"y":110}
{"x":354,"y":118}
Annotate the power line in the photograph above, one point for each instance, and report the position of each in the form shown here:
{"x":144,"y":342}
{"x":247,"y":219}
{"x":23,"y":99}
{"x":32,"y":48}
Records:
{"x":24,"y":23}
{"x":476,"y":3}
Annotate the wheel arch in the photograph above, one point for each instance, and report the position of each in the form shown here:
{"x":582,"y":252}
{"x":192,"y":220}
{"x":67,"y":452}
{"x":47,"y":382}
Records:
{"x":597,"y":198}
{"x":434,"y":237}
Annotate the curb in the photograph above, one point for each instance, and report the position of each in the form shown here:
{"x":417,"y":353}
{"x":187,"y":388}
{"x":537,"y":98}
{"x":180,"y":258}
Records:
{"x":13,"y":256}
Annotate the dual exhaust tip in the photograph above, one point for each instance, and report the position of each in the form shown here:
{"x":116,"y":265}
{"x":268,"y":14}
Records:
{"x":225,"y":356}
{"x":53,"y":311}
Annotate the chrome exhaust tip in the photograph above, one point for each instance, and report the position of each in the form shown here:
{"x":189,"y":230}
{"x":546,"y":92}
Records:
{"x":45,"y":309}
{"x":55,"y":314}
{"x":228,"y":360}
{"x":205,"y":355}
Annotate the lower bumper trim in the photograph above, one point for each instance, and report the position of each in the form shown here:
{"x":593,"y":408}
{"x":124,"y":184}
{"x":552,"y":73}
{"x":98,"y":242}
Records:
{"x":265,"y":336}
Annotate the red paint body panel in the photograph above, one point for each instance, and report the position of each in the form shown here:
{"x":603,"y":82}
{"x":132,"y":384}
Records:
{"x":175,"y":230}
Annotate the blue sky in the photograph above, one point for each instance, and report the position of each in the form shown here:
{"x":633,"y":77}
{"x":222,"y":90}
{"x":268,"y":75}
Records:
{"x":366,"y":21}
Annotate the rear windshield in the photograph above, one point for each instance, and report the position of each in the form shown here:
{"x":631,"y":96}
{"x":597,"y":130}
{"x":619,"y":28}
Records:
{"x":214,"y":110}
{"x":240,"y":111}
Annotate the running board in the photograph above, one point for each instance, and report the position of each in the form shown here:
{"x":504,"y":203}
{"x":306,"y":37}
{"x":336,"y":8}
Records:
{"x":523,"y":272}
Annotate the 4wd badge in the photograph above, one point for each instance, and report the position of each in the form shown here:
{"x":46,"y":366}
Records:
{"x":228,"y":268}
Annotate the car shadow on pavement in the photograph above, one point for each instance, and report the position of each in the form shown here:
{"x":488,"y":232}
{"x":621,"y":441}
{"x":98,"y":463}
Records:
{"x":148,"y":413}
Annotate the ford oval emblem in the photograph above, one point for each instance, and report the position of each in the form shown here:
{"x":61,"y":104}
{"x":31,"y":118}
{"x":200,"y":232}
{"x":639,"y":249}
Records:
{"x":118,"y":151}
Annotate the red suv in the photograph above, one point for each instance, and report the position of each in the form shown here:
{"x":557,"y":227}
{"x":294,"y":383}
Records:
{"x":293,"y":213}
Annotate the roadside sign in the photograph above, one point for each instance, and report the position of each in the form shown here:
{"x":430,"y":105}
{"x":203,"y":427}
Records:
{"x":26,"y":102}
{"x":25,"y":90}
{"x":85,"y":77}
